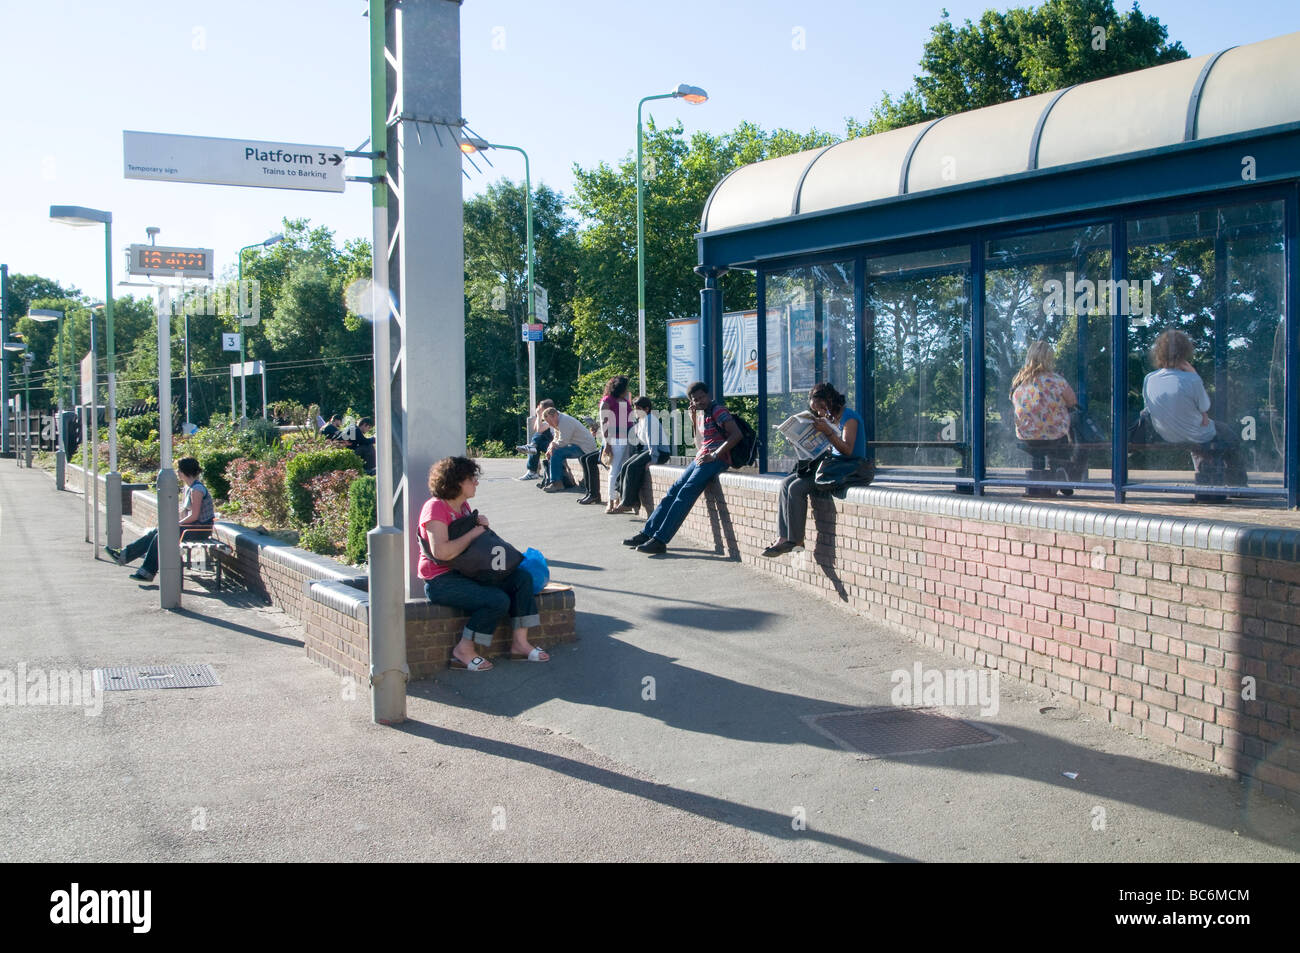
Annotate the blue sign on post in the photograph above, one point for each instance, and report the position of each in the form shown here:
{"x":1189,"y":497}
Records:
{"x":533,"y":332}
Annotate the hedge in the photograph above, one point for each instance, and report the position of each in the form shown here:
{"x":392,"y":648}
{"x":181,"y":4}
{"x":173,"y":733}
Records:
{"x":362,"y":518}
{"x":305,"y":467}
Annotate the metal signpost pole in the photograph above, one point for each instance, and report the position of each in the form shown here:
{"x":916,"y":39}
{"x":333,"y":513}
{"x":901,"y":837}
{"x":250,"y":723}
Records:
{"x":169,"y":534}
{"x":5,"y":446}
{"x":387,"y":563}
{"x":113,"y":481}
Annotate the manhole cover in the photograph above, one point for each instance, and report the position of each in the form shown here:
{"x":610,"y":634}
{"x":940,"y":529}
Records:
{"x":893,"y":731}
{"x":131,"y":677}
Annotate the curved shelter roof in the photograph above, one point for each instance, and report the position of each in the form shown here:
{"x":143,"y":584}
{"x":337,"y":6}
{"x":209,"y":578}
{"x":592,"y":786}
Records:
{"x":1239,"y":90}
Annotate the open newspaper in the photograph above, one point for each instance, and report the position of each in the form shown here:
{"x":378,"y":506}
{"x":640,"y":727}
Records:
{"x":807,"y":440}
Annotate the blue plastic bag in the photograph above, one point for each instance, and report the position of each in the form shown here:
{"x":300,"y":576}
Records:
{"x":535,"y":565}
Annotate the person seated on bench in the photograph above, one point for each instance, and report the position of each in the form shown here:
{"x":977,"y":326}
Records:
{"x":847,"y":433}
{"x":453,"y":482}
{"x":654,"y":450}
{"x":538,"y":442}
{"x":1175,"y":398}
{"x":1042,"y":400}
{"x":332,"y":427}
{"x":570,"y":439}
{"x":196,"y":516}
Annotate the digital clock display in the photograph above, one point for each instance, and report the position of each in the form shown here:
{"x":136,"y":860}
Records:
{"x":161,"y":260}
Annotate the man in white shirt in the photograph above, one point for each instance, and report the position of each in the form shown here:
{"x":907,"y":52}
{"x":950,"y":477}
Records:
{"x":570,"y":439}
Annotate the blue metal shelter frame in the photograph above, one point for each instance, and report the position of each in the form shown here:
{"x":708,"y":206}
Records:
{"x":1110,"y":191}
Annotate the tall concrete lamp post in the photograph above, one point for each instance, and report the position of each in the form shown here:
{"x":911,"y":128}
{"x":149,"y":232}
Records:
{"x":694,"y":95}
{"x":470,"y":146}
{"x":44,"y":315}
{"x":78,"y":216}
{"x":243,"y":378}
{"x":15,"y":347}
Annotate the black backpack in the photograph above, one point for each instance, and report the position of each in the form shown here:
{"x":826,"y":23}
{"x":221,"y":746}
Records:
{"x":745,"y":453}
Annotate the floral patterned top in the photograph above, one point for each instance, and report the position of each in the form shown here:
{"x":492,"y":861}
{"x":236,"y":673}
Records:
{"x":1041,"y":409}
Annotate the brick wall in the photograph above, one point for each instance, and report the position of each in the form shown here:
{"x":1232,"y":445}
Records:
{"x":1165,"y":627}
{"x":75,"y":479}
{"x":331,"y":601}
{"x":337,"y":622}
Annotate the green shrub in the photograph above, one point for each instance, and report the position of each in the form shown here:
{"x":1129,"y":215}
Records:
{"x":214,"y":463}
{"x":257,"y":490}
{"x":491,"y":448}
{"x":362,"y":518}
{"x":139,"y":427}
{"x":302,"y":469}
{"x":259,"y":434}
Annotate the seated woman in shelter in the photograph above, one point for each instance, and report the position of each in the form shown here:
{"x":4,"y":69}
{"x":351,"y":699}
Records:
{"x":1042,"y":400}
{"x":453,"y":482}
{"x":844,"y":428}
{"x":1175,"y":397}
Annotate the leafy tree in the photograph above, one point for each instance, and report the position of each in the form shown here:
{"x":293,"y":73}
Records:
{"x":1022,"y":52}
{"x":679,"y":178}
{"x":496,"y":304}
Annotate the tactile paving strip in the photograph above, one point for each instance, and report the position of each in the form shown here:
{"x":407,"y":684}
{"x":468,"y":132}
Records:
{"x":132,"y":677}
{"x":881,"y":732}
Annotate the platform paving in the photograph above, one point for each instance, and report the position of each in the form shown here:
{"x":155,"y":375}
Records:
{"x":575,"y":760}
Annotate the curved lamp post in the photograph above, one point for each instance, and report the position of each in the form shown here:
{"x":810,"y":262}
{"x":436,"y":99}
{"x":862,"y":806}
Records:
{"x":695,"y":96}
{"x":243,"y":378}
{"x":44,"y":316}
{"x":81,"y":217}
{"x":469,"y":146}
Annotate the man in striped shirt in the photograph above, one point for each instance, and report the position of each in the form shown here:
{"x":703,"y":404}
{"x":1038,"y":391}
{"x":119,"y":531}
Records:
{"x":716,"y":433}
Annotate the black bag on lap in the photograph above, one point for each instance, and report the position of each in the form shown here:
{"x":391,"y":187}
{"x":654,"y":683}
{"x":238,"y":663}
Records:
{"x":834,"y":472}
{"x":489,"y":559}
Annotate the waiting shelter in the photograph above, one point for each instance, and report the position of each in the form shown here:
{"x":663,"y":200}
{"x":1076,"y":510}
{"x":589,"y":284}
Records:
{"x":913,"y":269}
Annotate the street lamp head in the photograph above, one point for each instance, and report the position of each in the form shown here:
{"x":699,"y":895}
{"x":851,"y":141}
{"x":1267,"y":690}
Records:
{"x":470,"y":145}
{"x":15,"y":347}
{"x":692,"y":94}
{"x":77,"y":215}
{"x":274,"y":240}
{"x":44,"y":314}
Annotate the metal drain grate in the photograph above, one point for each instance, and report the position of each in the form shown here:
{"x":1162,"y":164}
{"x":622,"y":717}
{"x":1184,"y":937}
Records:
{"x":132,"y":677}
{"x":881,"y":732}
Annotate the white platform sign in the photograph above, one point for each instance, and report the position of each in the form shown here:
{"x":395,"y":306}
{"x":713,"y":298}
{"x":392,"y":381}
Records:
{"x":229,"y":341}
{"x":250,"y":162}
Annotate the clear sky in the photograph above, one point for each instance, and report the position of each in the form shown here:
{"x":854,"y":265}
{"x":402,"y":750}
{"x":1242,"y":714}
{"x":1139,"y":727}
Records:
{"x":561,"y":78}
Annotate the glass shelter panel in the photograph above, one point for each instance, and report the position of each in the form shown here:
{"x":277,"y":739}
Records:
{"x":811,"y":337}
{"x":1049,"y":302}
{"x":1207,"y":365}
{"x":917,"y":315}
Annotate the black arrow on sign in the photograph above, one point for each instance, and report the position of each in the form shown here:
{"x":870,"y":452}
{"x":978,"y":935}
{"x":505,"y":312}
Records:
{"x":336,"y":158}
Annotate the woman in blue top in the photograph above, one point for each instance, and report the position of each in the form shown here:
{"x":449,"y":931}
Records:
{"x":844,"y":429}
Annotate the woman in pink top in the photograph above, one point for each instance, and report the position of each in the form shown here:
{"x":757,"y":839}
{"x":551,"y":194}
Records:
{"x":453,"y":482}
{"x":615,"y":428}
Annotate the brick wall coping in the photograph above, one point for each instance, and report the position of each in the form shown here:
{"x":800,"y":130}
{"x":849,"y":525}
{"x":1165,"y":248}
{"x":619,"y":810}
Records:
{"x":277,"y":551}
{"x":1239,"y":538}
{"x":341,"y":597}
{"x":355,"y":603}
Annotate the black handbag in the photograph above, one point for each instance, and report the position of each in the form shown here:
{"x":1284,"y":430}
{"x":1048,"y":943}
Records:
{"x":808,"y":468}
{"x":834,"y":472}
{"x":489,"y":559}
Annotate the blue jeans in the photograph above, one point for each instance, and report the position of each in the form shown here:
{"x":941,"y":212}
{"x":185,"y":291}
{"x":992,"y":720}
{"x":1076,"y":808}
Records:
{"x":669,"y":515}
{"x":558,"y":456}
{"x":486,"y":604}
{"x":539,"y":443}
{"x":147,"y":546}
